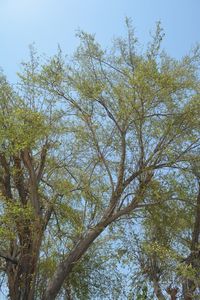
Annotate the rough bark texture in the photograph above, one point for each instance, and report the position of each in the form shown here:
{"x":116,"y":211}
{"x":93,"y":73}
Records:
{"x":110,"y":215}
{"x":66,"y":266}
{"x":23,"y":252}
{"x":21,"y":275}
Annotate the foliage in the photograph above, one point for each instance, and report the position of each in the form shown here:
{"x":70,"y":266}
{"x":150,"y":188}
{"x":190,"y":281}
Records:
{"x":89,"y":145}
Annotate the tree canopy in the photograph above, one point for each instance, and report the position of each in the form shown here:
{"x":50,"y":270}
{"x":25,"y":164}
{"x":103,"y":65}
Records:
{"x":99,"y":157}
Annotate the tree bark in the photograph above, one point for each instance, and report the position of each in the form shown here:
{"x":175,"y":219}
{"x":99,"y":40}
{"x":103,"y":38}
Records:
{"x":64,"y":269}
{"x":22,"y":274}
{"x":67,"y":265}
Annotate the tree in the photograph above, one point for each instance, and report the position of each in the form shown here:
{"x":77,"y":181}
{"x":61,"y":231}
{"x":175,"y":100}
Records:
{"x":162,"y":257}
{"x":82,"y":144}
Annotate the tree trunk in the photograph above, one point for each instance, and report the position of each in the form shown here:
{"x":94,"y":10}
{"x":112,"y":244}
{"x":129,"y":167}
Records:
{"x":22,"y":274}
{"x":20,"y":279}
{"x":65,"y":267}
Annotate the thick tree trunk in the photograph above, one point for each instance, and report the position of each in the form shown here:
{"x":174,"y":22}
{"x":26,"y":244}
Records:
{"x":22,"y":274}
{"x":21,"y":280}
{"x":65,"y":267}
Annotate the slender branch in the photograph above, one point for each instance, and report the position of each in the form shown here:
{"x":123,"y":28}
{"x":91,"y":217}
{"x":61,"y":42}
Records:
{"x":100,"y":152}
{"x":19,"y":179}
{"x":110,"y":115}
{"x":9,"y":259}
{"x":43,"y":156}
{"x":27,"y":159}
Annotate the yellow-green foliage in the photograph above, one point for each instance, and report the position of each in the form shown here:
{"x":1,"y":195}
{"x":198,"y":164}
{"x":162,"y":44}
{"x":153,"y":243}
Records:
{"x":187,"y":272}
{"x":88,"y":88}
{"x":161,"y":251}
{"x":22,"y":129}
{"x":70,"y":214}
{"x":15,"y":217}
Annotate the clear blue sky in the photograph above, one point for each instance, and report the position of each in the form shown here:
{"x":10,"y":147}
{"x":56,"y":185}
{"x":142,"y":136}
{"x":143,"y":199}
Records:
{"x":49,"y":22}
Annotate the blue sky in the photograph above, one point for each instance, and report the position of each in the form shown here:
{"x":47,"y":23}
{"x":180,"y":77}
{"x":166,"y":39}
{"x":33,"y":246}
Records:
{"x":49,"y":22}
